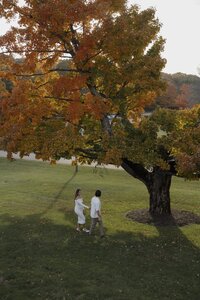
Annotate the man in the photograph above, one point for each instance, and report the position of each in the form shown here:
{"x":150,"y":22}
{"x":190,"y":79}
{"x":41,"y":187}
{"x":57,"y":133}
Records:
{"x":95,"y":213}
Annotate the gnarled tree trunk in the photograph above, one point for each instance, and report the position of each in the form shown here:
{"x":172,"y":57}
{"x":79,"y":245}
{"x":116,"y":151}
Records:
{"x":158,"y":184}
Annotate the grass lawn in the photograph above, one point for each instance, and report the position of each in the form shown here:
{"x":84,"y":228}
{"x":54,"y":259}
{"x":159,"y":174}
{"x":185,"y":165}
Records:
{"x":43,"y":257}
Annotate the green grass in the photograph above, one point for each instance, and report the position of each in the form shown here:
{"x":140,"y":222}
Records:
{"x":42,"y":257}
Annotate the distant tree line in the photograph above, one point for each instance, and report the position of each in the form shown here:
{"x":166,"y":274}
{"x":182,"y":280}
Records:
{"x":182,"y":91}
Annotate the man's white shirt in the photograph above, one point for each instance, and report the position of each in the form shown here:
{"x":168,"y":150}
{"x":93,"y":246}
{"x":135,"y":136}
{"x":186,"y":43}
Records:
{"x":95,"y":206}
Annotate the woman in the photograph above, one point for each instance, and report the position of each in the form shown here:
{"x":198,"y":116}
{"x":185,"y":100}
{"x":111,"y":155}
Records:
{"x":79,"y":208}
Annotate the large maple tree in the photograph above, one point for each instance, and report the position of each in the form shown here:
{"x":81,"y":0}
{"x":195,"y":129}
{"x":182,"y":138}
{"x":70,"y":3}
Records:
{"x":80,"y":73}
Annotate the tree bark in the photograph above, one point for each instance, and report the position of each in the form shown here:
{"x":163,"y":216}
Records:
{"x":158,"y":187}
{"x":158,"y":184}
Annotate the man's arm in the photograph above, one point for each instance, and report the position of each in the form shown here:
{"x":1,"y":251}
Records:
{"x":99,"y":214}
{"x":98,"y":210}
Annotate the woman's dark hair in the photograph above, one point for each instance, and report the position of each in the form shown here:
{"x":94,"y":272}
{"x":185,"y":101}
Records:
{"x":76,"y":194}
{"x":98,"y":193}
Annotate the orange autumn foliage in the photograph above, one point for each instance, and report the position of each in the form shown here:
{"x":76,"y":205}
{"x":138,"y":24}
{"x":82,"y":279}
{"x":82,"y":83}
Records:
{"x":91,"y":107}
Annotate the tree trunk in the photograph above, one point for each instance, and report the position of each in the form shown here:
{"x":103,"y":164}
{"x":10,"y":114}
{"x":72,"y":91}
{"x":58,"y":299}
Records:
{"x":158,"y":187}
{"x":158,"y":184}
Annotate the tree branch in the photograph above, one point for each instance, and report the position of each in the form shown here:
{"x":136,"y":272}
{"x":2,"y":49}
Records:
{"x":75,"y":41}
{"x":105,"y":122}
{"x":136,"y":170}
{"x":35,"y":50}
{"x":55,"y":98}
{"x":51,"y":71}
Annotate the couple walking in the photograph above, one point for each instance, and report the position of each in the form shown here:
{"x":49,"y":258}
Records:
{"x":95,"y":212}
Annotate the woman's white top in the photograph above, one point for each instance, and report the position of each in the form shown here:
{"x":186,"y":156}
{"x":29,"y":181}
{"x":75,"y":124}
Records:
{"x":79,"y":206}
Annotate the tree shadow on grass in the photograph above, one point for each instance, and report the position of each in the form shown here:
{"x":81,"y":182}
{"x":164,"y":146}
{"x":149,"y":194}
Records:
{"x":56,"y":198}
{"x":43,"y":260}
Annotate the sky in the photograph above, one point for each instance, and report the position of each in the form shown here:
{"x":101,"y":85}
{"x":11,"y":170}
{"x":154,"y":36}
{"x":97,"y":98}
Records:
{"x":180,"y":21}
{"x":180,"y":27}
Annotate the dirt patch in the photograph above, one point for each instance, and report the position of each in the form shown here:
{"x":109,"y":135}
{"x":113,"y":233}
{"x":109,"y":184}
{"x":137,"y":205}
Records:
{"x":177,"y":218}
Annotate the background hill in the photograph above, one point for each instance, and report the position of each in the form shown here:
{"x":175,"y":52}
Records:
{"x":182,"y":91}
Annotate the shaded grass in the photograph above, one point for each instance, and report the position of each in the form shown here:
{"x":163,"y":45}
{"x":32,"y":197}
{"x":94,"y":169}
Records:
{"x":42,"y":257}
